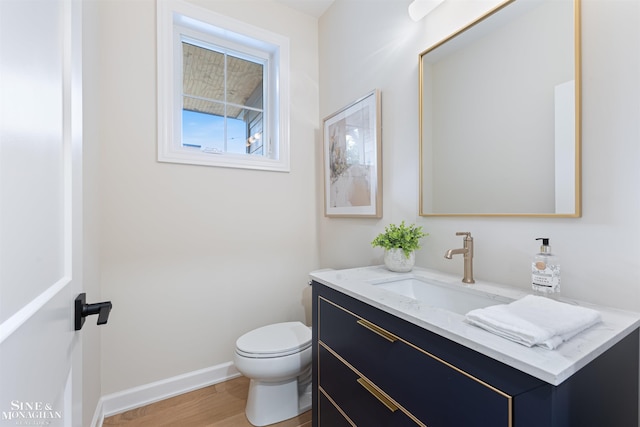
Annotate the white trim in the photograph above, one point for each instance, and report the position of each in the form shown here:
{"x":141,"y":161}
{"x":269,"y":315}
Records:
{"x":116,"y":403}
{"x":98,"y":415}
{"x":17,"y":319}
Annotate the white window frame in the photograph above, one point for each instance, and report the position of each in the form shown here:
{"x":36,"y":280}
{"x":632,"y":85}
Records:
{"x":177,"y":18}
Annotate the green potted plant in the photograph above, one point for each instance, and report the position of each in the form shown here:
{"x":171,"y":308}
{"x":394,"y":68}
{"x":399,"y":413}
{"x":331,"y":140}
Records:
{"x":400,"y":243}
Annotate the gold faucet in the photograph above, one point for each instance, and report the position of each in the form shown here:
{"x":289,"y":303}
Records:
{"x":467,"y":251}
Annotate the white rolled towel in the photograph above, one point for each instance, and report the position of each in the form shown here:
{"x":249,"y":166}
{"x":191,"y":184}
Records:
{"x":535,"y":320}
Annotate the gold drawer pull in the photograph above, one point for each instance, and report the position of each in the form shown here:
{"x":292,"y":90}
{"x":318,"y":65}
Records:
{"x":378,"y":395}
{"x":378,"y":330}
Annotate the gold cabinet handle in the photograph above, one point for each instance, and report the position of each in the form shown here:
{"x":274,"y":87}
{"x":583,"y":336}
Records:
{"x":378,"y":330}
{"x":378,"y":395}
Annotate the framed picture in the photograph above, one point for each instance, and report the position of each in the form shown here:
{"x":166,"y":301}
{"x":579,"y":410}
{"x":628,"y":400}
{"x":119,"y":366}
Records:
{"x":353,"y":160}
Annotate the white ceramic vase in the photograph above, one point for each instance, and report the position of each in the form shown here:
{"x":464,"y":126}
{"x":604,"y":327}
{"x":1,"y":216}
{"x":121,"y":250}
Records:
{"x":396,"y":260}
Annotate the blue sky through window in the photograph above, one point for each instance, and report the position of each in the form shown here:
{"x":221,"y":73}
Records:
{"x":201,"y":130}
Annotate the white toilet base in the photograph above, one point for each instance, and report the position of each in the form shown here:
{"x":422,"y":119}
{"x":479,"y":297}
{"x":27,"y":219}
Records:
{"x":280,"y":386}
{"x":270,"y":403}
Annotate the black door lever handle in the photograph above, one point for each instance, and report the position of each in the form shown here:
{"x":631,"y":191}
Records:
{"x":82,"y":310}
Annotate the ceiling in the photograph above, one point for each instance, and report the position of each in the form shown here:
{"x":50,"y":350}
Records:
{"x":314,"y":8}
{"x":204,"y":79}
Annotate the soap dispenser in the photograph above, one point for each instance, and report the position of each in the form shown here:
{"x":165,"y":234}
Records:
{"x":545,"y":270}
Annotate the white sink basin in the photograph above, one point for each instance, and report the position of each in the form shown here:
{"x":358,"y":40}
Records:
{"x":456,"y":298}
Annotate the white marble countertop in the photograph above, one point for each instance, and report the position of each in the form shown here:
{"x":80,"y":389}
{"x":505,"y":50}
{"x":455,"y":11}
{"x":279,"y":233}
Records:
{"x":552,"y":366}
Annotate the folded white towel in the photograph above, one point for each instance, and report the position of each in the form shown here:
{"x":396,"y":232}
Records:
{"x":535,"y":320}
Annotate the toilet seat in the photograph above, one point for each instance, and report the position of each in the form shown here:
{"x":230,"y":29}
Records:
{"x":277,"y":340}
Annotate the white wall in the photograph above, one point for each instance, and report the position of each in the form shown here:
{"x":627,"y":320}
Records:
{"x":377,"y":46}
{"x":91,"y":333}
{"x":192,"y":257}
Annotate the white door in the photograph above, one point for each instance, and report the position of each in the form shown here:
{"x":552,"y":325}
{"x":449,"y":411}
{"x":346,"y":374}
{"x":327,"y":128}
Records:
{"x":40,"y":212}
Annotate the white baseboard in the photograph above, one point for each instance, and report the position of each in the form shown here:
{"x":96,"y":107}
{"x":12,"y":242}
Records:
{"x":116,"y":403}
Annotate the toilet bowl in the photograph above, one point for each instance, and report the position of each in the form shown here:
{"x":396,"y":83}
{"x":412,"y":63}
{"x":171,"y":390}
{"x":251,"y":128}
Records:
{"x":277,"y":360}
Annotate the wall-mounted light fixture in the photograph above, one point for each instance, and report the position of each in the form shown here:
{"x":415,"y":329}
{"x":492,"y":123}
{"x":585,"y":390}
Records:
{"x":418,"y":9}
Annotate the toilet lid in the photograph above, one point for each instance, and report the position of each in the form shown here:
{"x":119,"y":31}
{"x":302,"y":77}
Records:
{"x":275,"y":340}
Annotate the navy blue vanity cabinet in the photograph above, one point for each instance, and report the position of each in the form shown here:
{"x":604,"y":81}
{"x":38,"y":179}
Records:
{"x":373,"y":369}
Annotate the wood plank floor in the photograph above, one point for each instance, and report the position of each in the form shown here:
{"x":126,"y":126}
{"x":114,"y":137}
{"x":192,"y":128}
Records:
{"x":219,"y":405}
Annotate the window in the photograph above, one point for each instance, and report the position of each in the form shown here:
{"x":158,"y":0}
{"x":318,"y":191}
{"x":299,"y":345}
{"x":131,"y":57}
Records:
{"x":222,"y":91}
{"x":222,"y":99}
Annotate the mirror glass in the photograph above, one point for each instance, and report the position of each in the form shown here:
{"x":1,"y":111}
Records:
{"x":500,"y":114}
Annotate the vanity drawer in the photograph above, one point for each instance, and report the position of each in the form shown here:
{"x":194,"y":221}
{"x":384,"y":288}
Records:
{"x":435,"y":391}
{"x":353,"y":337}
{"x":329,"y":414}
{"x":355,"y":395}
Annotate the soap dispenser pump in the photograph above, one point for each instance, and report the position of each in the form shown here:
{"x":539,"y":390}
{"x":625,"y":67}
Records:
{"x":545,"y":270}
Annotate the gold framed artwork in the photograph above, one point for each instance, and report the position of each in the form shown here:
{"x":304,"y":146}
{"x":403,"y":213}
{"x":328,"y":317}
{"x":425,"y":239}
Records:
{"x":353,"y":159}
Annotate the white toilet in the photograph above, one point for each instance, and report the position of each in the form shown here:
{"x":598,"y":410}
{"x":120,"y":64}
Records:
{"x":277,"y":359}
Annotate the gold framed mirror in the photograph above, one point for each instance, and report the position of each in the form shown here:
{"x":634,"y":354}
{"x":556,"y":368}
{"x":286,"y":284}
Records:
{"x":500,"y":114}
